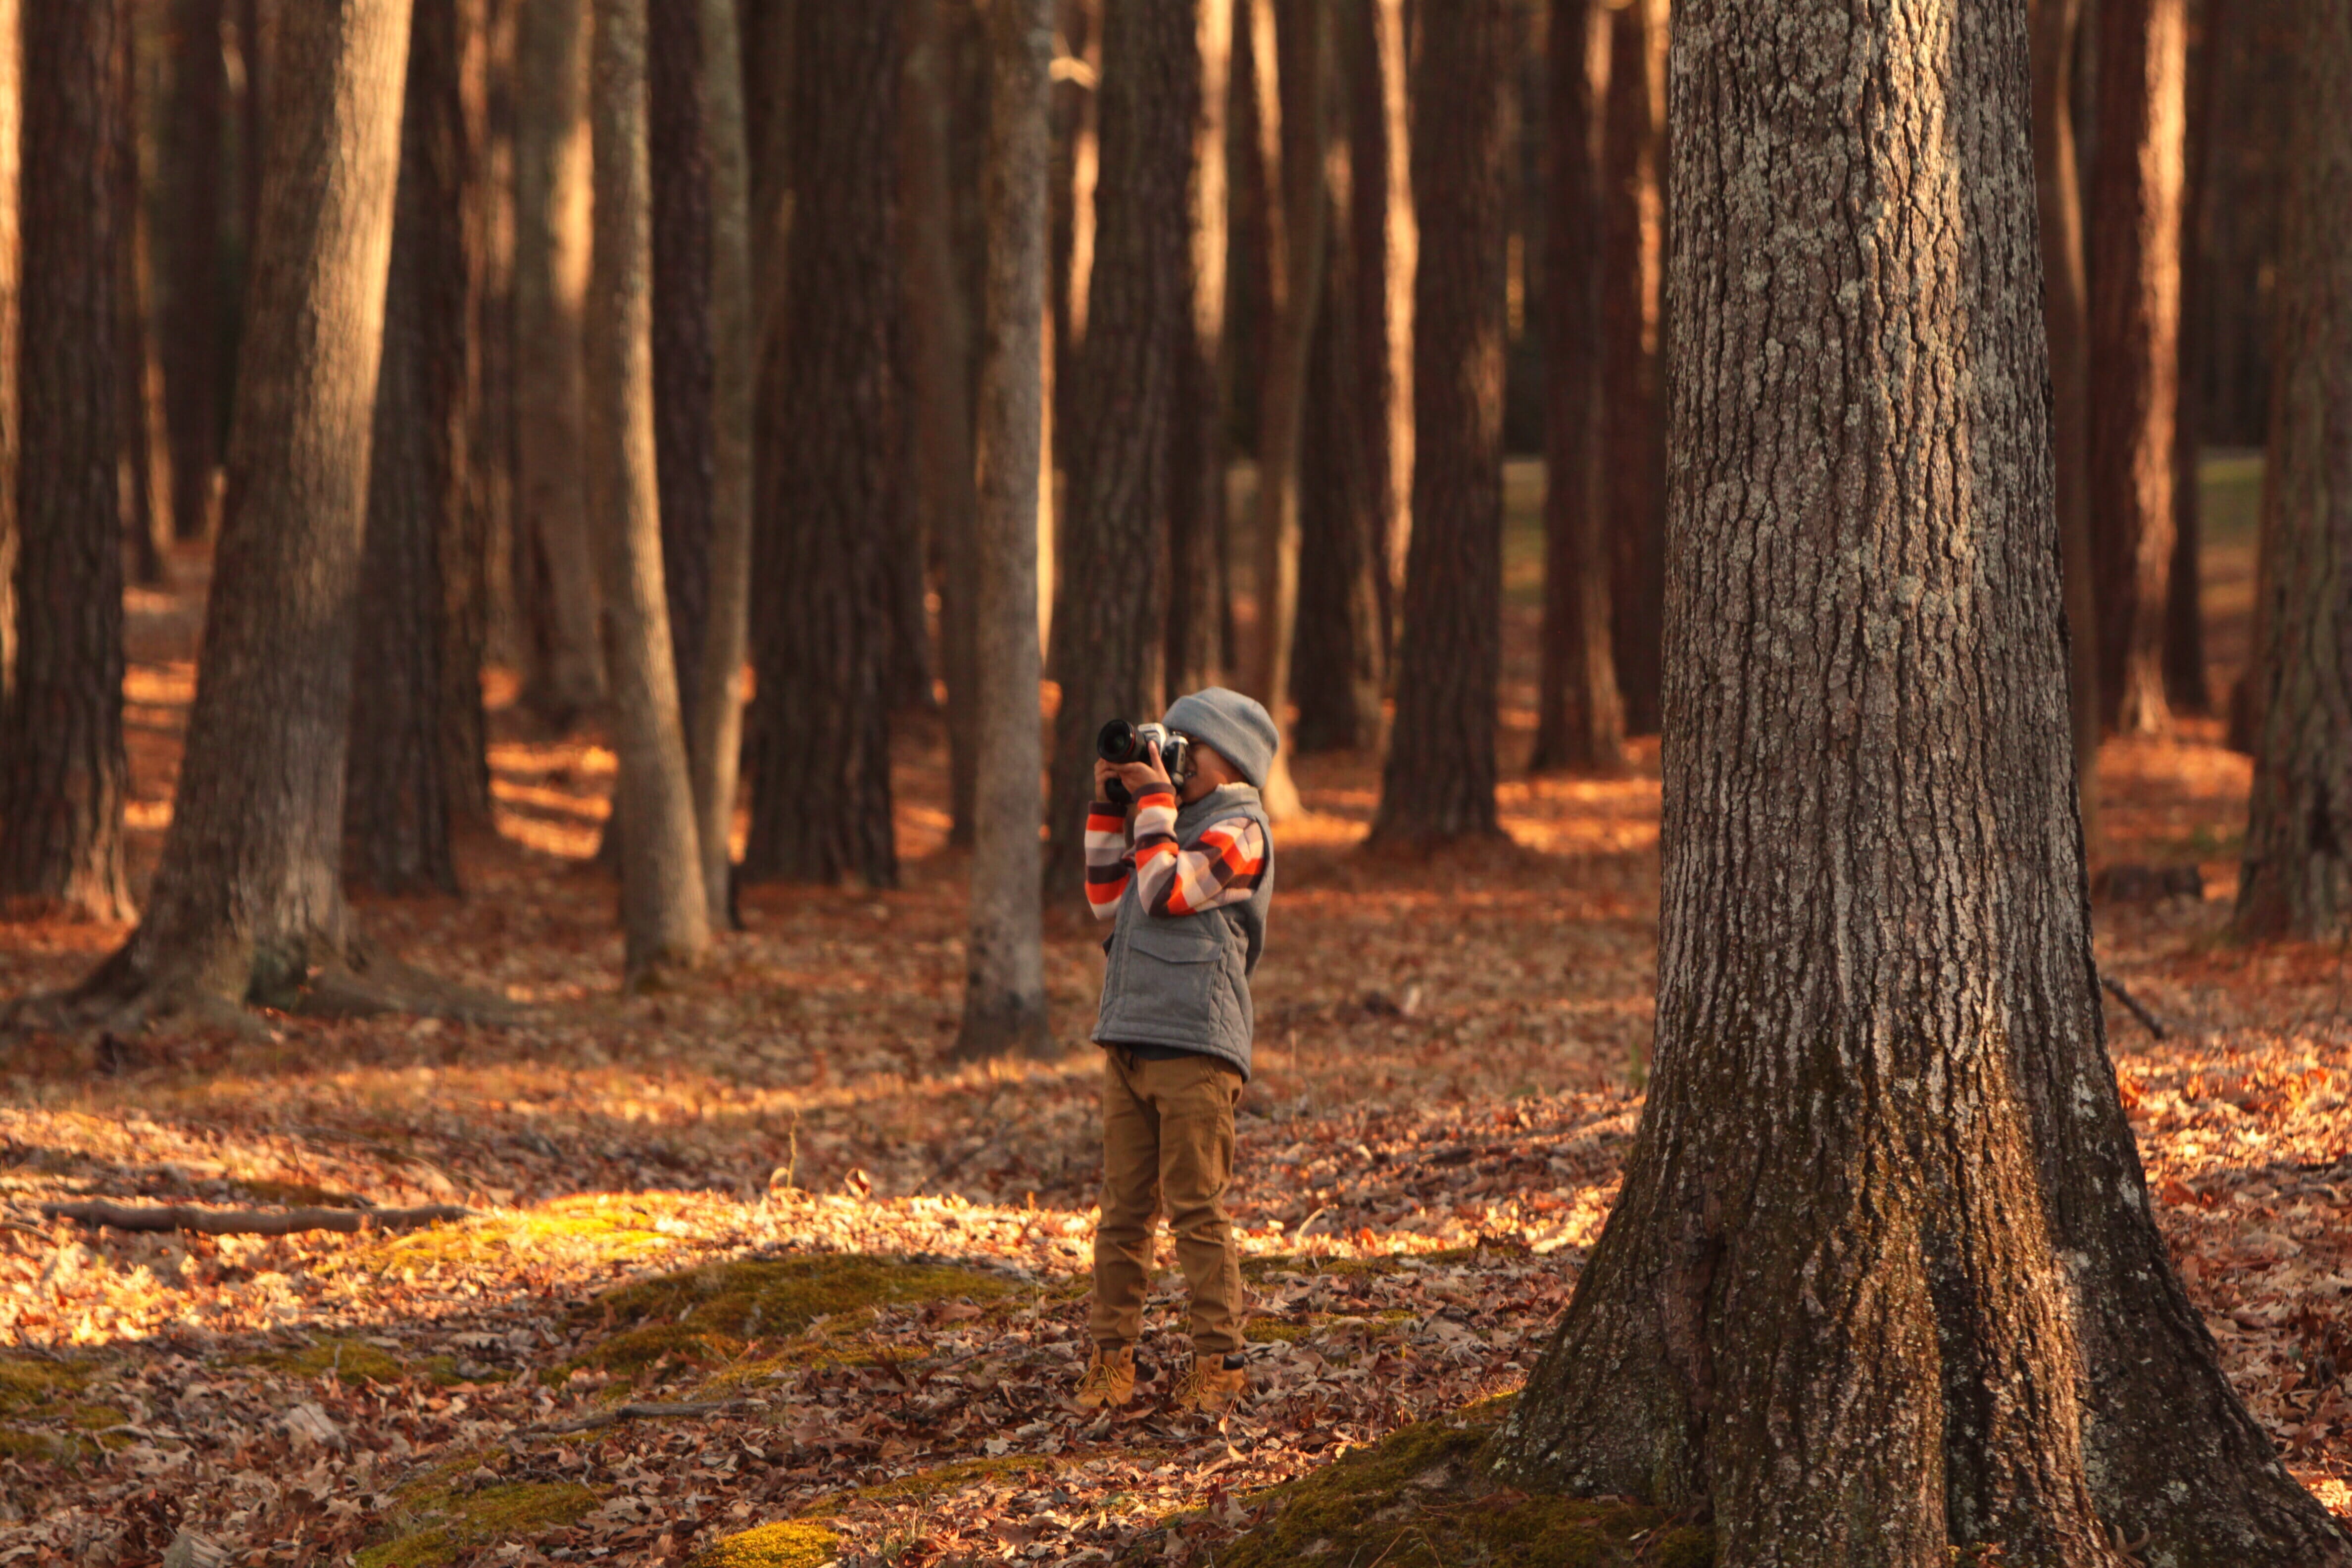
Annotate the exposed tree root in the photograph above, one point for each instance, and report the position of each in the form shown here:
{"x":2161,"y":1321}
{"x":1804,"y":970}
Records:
{"x":250,"y":1222}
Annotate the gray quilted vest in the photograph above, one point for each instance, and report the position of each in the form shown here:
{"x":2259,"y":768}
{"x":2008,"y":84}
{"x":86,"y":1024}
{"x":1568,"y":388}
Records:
{"x":1183,"y":981}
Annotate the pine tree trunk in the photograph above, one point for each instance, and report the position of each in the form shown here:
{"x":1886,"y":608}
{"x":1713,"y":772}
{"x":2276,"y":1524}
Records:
{"x":714,"y":740}
{"x":472,"y":528}
{"x":1109,"y":630}
{"x":1295,"y":189}
{"x":11,"y":283}
{"x":939,"y":355}
{"x":197,"y":306}
{"x":1403,"y":250}
{"x":555,"y":579}
{"x":1196,"y":480}
{"x":144,"y":488}
{"x":683,"y":361}
{"x":2186,"y":688}
{"x":1579,"y":722}
{"x":2055,"y":27}
{"x":819,"y":746}
{"x":397,"y":810}
{"x":663,"y":907}
{"x":1632,"y":412}
{"x":1371,"y":239}
{"x":2297,"y":875}
{"x":248,"y":897}
{"x":63,"y":773}
{"x":1004,"y":988}
{"x":2134,"y":294}
{"x":1439,"y":783}
{"x":1884,"y":1209}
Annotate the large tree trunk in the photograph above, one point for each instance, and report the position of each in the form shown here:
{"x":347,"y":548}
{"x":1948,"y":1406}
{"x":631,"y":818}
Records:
{"x":663,"y":906}
{"x":2297,"y":875}
{"x":62,"y":767}
{"x":2186,"y":688}
{"x":402,"y":791}
{"x":249,"y":897}
{"x":2055,"y":25}
{"x":820,"y":741}
{"x":1196,"y":480}
{"x":1296,"y":137}
{"x":682,"y":345}
{"x":555,"y":572}
{"x":1632,"y":411}
{"x":197,"y":308}
{"x":2136,"y":193}
{"x":1004,"y":987}
{"x":939,"y":356}
{"x":1884,"y":1210}
{"x":714,"y":737}
{"x":1439,"y":783}
{"x":1107,"y":633}
{"x":144,"y":490}
{"x":11,"y":280}
{"x":1579,"y":721}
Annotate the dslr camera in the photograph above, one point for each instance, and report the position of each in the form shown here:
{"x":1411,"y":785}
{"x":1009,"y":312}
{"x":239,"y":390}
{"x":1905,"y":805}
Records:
{"x":1124,"y":741}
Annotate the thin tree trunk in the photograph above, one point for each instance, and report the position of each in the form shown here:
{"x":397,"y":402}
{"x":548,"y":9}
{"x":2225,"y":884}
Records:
{"x":939,"y":356}
{"x":662,"y":899}
{"x":1004,"y":988}
{"x":2055,"y":28}
{"x":12,"y":78}
{"x":471,"y":526}
{"x":555,"y":574}
{"x":1579,"y":722}
{"x":1439,"y":783}
{"x":1939,"y":1276}
{"x":144,"y":490}
{"x":2134,"y":294}
{"x":494,"y":331}
{"x":2297,"y":875}
{"x":197,"y":306}
{"x":247,"y":900}
{"x":2186,"y":688}
{"x":1108,"y":634}
{"x":1371,"y":221}
{"x":820,"y":738}
{"x":715,"y":738}
{"x":63,"y":773}
{"x":682,"y":341}
{"x":253,"y":29}
{"x":397,"y":808}
{"x":1404,"y":258}
{"x":1196,"y":483}
{"x":1632,"y":412}
{"x":1084,"y":137}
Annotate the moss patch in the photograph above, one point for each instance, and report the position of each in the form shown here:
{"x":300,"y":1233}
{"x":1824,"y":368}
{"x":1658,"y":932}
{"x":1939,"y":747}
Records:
{"x":923,"y":1485}
{"x":35,"y":1385}
{"x":39,"y":1389}
{"x":592,"y":1227}
{"x":438,"y":1527}
{"x":711,"y":1315}
{"x":1420,"y":1497}
{"x":1270,"y":1331}
{"x":793,"y":1544}
{"x":356,"y":1360}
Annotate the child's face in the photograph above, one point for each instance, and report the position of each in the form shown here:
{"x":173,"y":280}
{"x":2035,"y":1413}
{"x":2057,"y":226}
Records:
{"x":1210,"y":770}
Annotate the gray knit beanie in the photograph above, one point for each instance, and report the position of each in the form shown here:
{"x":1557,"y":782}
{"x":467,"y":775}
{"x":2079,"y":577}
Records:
{"x":1237,"y":726}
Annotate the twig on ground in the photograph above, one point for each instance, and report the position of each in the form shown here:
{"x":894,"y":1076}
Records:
{"x":2116,"y":988}
{"x":250,"y":1222}
{"x":650,"y":1411}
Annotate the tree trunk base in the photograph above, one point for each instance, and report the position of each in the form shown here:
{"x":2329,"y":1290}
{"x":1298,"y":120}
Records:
{"x":1004,"y":1027}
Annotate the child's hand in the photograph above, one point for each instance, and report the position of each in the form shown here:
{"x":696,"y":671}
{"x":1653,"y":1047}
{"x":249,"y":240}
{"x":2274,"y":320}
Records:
{"x":1140,"y":776}
{"x":1104,"y":772}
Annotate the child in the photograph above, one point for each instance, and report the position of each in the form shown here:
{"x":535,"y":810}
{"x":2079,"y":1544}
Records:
{"x":1188,"y":899}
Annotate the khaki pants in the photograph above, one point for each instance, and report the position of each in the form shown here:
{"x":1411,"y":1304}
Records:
{"x":1167,"y":1135}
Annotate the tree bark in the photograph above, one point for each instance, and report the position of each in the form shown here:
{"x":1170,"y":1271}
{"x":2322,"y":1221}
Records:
{"x":1579,"y":721}
{"x":1883,"y":1208}
{"x":197,"y":304}
{"x":2186,"y":688}
{"x":397,"y":808}
{"x":472,"y":529}
{"x":555,"y":576}
{"x":2135,"y":345}
{"x":1196,"y":482}
{"x":939,"y":357}
{"x":1296,"y":143}
{"x":663,"y":906}
{"x":248,"y":897}
{"x":2055,"y":27}
{"x":63,"y":773}
{"x":2297,"y":875}
{"x":1108,"y":632}
{"x":1004,"y":987}
{"x":1439,"y":782}
{"x":714,"y":739}
{"x":1403,"y":251}
{"x":820,"y":741}
{"x":684,"y":365}
{"x":144,"y":490}
{"x":1632,"y":412}
{"x":12,"y":78}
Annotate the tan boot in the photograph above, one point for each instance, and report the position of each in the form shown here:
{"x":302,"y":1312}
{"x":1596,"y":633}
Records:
{"x":1211,"y":1388}
{"x":1109,"y":1379}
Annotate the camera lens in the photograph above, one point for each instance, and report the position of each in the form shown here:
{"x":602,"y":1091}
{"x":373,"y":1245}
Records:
{"x":1115,"y":742}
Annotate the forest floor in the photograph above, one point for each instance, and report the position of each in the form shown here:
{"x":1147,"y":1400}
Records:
{"x":763,"y":1195}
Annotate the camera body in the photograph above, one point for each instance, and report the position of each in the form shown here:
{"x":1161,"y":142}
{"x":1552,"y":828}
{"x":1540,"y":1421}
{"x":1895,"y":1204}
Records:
{"x":1124,"y":741}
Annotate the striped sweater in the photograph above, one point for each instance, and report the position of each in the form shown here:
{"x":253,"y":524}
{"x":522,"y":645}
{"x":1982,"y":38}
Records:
{"x":1222,"y":866}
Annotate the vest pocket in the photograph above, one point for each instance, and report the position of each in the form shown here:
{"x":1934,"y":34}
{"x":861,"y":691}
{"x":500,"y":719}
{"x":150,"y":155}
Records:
{"x":1186,"y":941}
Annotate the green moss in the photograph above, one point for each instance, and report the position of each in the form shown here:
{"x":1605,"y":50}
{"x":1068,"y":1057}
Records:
{"x":31,"y":1385}
{"x":793,"y":1544}
{"x":442,"y":1525}
{"x":355,"y":1360}
{"x":592,"y":1226}
{"x":923,"y":1485}
{"x":1420,"y":1497}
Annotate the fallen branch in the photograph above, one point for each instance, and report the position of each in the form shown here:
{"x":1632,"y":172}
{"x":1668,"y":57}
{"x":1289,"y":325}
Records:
{"x":641,"y":1412}
{"x":2116,"y":988}
{"x":250,"y":1222}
